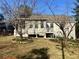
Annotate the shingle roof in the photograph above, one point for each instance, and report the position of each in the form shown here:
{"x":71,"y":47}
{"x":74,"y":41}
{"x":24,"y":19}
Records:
{"x":50,"y":18}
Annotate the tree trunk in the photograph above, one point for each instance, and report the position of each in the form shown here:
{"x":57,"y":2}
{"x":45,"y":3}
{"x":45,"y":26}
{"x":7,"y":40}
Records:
{"x":21,"y":36}
{"x":21,"y":33}
{"x":62,"y":45}
{"x":62,"y":48}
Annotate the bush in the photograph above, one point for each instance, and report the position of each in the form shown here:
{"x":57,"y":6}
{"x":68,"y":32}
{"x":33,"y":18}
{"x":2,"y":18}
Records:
{"x":36,"y":54}
{"x":23,"y":41}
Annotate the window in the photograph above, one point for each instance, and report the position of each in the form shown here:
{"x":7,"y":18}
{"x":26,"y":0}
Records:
{"x":23,"y":24}
{"x":36,"y":24}
{"x":31,"y":25}
{"x":51,"y":25}
{"x":47,"y":25}
{"x":42,"y":24}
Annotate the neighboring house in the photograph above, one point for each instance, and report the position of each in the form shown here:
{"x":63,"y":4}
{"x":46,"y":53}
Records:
{"x":10,"y":28}
{"x":2,"y":27}
{"x":6,"y":28}
{"x":45,"y":26}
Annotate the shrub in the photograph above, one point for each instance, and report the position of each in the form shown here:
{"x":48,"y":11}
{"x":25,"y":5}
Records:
{"x":36,"y":54}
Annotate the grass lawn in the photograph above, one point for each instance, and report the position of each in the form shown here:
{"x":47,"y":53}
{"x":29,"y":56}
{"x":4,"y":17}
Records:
{"x":7,"y":48}
{"x":6,"y":38}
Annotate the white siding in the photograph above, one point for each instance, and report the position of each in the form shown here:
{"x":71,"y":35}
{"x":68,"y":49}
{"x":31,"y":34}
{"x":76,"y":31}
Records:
{"x":42,"y":31}
{"x":58,"y":32}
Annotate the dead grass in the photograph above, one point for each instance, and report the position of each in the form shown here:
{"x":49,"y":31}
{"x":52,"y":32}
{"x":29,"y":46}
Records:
{"x":5,"y":38}
{"x":7,"y":48}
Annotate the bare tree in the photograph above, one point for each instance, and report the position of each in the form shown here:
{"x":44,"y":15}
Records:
{"x":62,"y":23}
{"x":12,"y":12}
{"x":17,"y":9}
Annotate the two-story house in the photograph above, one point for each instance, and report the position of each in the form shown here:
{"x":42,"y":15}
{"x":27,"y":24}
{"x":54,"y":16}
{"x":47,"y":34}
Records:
{"x":45,"y":26}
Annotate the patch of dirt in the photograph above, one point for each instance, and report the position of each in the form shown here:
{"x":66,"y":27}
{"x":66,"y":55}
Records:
{"x":6,"y":45}
{"x":8,"y":57}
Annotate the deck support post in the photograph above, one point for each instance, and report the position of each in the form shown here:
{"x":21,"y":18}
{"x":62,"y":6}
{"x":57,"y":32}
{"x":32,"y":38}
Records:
{"x":36,"y":36}
{"x":45,"y":36}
